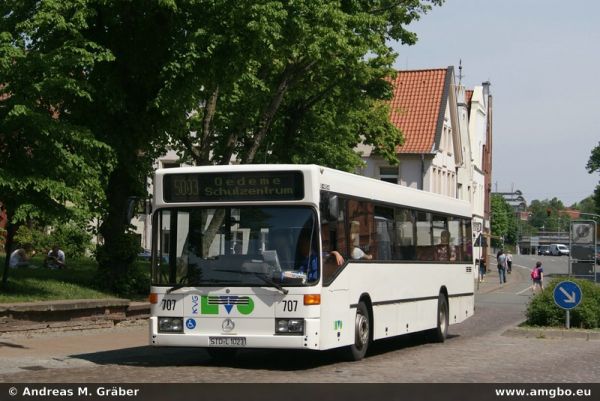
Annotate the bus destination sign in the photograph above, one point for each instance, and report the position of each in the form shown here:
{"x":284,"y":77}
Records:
{"x":233,"y":187}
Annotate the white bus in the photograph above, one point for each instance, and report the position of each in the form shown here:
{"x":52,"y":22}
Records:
{"x":248,"y":256}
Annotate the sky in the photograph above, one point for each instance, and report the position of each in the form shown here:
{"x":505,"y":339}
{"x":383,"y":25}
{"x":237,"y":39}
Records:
{"x":542,"y":58}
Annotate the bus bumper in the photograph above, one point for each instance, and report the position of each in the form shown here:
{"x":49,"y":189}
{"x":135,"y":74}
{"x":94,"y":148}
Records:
{"x":188,"y":338}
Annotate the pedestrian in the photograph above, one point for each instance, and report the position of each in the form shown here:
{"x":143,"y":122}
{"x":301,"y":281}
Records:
{"x":55,"y":259}
{"x":537,"y":276}
{"x":481,"y":266}
{"x":20,"y":257}
{"x":509,"y":262}
{"x":502,"y":266}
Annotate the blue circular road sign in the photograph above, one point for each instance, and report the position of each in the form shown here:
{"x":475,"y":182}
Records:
{"x":567,"y":295}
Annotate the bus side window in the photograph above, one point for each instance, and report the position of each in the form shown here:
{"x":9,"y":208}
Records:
{"x":333,"y":232}
{"x":404,"y":247}
{"x":425,"y":248}
{"x":384,"y":232}
{"x":333,"y":236}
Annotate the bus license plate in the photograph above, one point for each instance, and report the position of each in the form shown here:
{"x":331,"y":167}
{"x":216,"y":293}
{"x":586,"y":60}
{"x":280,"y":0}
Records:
{"x":227,"y":341}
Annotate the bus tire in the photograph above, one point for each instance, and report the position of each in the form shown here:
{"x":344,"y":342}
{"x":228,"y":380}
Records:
{"x":222,"y":354}
{"x":362,"y":334}
{"x":440,"y":333}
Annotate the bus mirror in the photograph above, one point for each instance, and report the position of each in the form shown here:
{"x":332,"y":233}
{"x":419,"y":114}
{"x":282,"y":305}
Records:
{"x":333,"y":207}
{"x":147,"y":206}
{"x":137,"y":205}
{"x":131,"y":208}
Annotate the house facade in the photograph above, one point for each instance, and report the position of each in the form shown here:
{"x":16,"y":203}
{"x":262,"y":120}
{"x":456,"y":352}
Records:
{"x":447,"y":148}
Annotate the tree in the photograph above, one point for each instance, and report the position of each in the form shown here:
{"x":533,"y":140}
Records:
{"x":503,"y":222}
{"x":500,"y":219}
{"x":593,"y":165}
{"x":547,"y":215}
{"x":305,"y":86}
{"x":50,"y":165}
{"x":587,"y":205}
{"x":257,"y":81}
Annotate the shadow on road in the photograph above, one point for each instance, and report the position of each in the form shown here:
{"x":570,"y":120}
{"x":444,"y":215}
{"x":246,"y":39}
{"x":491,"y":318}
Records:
{"x":263,"y":359}
{"x":11,"y":345}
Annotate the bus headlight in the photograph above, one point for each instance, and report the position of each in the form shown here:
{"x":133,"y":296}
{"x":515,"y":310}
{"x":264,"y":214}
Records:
{"x":289,"y":326}
{"x":170,"y":325}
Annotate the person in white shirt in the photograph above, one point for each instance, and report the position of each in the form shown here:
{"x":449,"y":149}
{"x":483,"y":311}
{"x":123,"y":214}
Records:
{"x":55,"y":259}
{"x":18,"y":258}
{"x":357,"y":253}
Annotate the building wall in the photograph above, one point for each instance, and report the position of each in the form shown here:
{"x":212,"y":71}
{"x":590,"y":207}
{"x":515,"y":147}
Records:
{"x":437,"y":170}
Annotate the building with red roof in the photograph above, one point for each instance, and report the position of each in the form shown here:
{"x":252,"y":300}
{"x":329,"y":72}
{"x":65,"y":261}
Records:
{"x":447,"y":141}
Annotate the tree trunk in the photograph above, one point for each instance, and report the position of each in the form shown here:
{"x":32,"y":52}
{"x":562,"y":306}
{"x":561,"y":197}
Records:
{"x":116,"y":255}
{"x":11,"y":229}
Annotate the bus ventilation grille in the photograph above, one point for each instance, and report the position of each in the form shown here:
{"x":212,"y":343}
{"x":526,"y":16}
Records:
{"x":228,"y":300}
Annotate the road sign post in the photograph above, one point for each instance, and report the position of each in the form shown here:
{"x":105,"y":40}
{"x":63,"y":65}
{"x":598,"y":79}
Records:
{"x":567,"y":295}
{"x":582,"y":255}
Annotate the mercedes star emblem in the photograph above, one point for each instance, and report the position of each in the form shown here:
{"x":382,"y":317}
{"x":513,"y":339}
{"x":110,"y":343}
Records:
{"x":228,"y":325}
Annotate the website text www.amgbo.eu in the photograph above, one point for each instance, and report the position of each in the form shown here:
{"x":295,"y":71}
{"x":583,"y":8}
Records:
{"x":543,"y":392}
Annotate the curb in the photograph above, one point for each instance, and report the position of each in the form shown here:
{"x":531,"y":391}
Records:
{"x":552,"y":333}
{"x":66,"y":305}
{"x":79,"y":314}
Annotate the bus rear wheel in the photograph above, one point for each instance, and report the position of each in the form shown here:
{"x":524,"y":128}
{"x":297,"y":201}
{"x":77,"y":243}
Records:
{"x":362,"y":334}
{"x":440,"y":333}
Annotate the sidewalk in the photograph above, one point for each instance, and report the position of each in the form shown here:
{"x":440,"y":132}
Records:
{"x":77,"y":314}
{"x":492,"y":281}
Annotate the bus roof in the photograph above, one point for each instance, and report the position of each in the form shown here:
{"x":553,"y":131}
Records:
{"x":336,"y":181}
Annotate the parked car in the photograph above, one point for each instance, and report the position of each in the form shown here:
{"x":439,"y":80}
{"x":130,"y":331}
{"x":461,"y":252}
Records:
{"x":559,"y":249}
{"x":543,"y":250}
{"x":144,"y":254}
{"x":598,"y":254}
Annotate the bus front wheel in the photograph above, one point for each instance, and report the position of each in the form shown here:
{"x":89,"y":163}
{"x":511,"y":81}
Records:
{"x":362,"y":334}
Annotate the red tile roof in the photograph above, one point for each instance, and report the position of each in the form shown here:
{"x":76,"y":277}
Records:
{"x":418,"y":104}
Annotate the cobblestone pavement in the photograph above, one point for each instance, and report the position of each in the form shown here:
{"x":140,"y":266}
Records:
{"x":477,"y":351}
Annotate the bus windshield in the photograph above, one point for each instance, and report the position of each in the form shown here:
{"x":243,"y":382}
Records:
{"x":235,"y":246}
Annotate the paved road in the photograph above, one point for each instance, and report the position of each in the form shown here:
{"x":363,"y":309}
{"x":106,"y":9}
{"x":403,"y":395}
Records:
{"x":552,"y":264}
{"x":477,"y":351}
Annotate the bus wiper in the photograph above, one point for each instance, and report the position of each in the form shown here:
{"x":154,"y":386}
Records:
{"x":271,"y":282}
{"x":176,"y":287}
{"x":213,"y":281}
{"x":261,"y":276}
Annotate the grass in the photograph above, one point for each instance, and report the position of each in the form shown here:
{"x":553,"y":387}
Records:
{"x":41,"y":284}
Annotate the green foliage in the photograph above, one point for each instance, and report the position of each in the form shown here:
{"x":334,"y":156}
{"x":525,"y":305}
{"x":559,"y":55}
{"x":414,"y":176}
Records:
{"x":556,"y":221}
{"x":132,"y":283}
{"x":95,"y":92}
{"x":503,"y":222}
{"x":586,"y":205}
{"x":74,"y":240}
{"x":298,"y":82}
{"x":542,"y":311}
{"x":126,"y":282}
{"x":47,"y":159}
{"x":593,"y":165}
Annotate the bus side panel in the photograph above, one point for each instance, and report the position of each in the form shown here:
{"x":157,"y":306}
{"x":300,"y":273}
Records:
{"x":337,"y":317}
{"x":405,"y":296}
{"x":385,"y":321}
{"x":461,"y":308}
